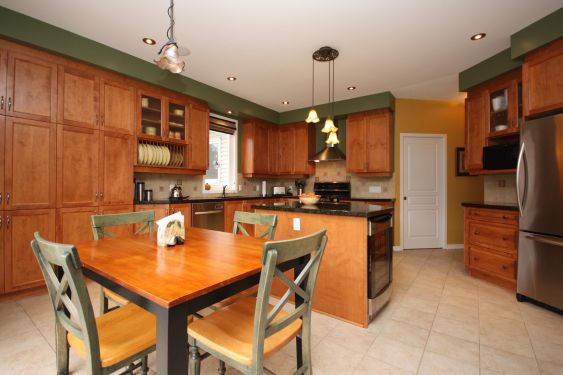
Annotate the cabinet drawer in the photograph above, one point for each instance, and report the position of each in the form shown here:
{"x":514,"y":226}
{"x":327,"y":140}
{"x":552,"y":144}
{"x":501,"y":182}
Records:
{"x":493,"y":216}
{"x":490,"y":263}
{"x":501,"y":239}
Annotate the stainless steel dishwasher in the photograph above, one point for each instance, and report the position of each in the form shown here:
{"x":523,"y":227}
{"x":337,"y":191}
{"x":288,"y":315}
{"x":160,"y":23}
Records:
{"x":209,"y":215}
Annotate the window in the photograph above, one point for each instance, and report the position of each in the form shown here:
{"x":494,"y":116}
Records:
{"x":222,"y":169}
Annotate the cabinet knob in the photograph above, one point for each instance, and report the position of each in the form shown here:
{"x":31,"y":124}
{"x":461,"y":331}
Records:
{"x":504,"y":267}
{"x":7,"y":222}
{"x":7,"y":198}
{"x":504,"y":238}
{"x":9,"y":103}
{"x":0,"y":197}
{"x":96,"y":195}
{"x":504,"y":217}
{"x":476,"y":258}
{"x":0,"y":222}
{"x":2,"y":102}
{"x":477,"y":232}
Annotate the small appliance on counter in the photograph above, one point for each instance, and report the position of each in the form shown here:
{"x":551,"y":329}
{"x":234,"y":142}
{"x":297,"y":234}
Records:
{"x":176,"y":194}
{"x":264,"y":191}
{"x":300,"y":184}
{"x":139,"y":191}
{"x":147,"y":195}
{"x":279,"y":190}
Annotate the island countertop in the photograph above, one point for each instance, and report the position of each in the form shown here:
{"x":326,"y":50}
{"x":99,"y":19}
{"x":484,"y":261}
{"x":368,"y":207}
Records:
{"x":358,"y":209}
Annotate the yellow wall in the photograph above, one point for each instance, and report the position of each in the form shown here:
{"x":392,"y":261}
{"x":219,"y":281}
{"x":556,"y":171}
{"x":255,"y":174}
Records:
{"x":437,"y":117}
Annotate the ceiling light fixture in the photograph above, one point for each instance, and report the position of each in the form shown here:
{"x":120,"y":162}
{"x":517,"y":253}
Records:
{"x":149,"y":41}
{"x":351,"y":88}
{"x":478,"y":36}
{"x":313,"y":117}
{"x":285,"y":102}
{"x":231,"y":78}
{"x":169,"y":55}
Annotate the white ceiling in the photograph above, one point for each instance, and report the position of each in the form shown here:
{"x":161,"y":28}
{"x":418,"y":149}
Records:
{"x":415,"y":49}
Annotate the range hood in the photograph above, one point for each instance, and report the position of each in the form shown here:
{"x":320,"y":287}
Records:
{"x":329,"y":153}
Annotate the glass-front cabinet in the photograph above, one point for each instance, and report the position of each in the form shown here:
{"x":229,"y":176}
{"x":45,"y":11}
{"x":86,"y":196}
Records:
{"x":177,"y":120}
{"x":504,"y":108}
{"x":151,"y":117}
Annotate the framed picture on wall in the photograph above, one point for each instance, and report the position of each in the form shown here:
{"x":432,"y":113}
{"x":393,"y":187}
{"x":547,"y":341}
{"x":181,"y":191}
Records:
{"x":460,"y":162}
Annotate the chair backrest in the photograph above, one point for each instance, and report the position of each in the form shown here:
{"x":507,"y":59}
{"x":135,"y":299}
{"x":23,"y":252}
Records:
{"x":268,"y":220}
{"x":275,"y":253}
{"x":74,"y":314}
{"x":101,"y":222}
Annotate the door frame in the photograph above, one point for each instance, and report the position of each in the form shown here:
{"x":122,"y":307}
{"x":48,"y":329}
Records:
{"x":443,"y":196}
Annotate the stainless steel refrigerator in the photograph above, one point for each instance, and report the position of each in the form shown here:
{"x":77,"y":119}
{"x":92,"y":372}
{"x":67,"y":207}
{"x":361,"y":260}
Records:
{"x":539,"y":183}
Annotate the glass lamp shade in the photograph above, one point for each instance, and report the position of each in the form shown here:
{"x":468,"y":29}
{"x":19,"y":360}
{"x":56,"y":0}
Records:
{"x":313,"y":117}
{"x":332,"y":139}
{"x":170,"y":59}
{"x":329,"y":126}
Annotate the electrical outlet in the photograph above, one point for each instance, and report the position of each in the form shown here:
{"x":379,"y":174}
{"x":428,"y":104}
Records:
{"x":375,"y":189}
{"x":161,"y":188}
{"x":257,"y":188}
{"x":240,"y":188}
{"x":296,"y":224}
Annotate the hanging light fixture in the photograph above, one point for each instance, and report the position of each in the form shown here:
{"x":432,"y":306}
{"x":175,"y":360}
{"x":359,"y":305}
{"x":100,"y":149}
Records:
{"x":169,"y":55}
{"x":329,"y":122}
{"x":313,"y":116}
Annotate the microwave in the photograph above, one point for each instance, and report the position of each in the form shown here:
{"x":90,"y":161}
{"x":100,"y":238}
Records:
{"x":503,"y":156}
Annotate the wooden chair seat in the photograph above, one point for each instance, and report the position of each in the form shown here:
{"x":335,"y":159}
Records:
{"x":229,"y":331}
{"x":115,"y":297}
{"x":122,"y":333}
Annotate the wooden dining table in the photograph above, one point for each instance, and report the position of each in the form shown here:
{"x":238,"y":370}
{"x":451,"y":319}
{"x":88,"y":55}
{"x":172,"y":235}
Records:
{"x":174,"y":282}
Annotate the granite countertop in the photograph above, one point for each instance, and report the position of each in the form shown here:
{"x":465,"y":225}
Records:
{"x":214,"y":199}
{"x":493,"y":205}
{"x":372,"y":199}
{"x":358,"y":209}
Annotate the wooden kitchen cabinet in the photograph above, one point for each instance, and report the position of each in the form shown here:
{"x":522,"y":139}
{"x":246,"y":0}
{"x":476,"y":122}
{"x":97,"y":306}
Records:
{"x":30,"y":168}
{"x":507,"y":89}
{"x":304,"y":148}
{"x":121,"y":230}
{"x":491,"y":245}
{"x":3,"y":78}
{"x":116,"y":172}
{"x":21,"y":268}
{"x":255,"y":148}
{"x":273,"y":149}
{"x":31,"y":88}
{"x":542,"y":79}
{"x":369,"y":143}
{"x":79,"y":95}
{"x":286,"y":150}
{"x":117,"y":106}
{"x":198,"y":143}
{"x":74,"y":224}
{"x":150,"y":114}
{"x":185,"y":209}
{"x":474,"y":132}
{"x":230,"y":208}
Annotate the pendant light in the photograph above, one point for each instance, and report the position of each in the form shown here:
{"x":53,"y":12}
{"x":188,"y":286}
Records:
{"x":313,"y":116}
{"x":169,"y":55}
{"x":329,"y":122}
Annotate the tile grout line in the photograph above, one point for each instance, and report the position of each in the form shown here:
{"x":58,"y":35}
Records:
{"x":35,"y":325}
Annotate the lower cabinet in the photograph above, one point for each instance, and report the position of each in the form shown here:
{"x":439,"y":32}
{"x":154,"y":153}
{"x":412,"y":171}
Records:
{"x":163,"y":210}
{"x":491,"y":245}
{"x":21,"y":270}
{"x":185,"y":209}
{"x":230,"y":208}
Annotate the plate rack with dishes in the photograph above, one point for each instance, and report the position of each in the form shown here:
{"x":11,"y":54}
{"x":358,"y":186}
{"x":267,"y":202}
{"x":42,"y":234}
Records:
{"x":151,"y":115}
{"x":160,"y":154}
{"x":176,"y":121}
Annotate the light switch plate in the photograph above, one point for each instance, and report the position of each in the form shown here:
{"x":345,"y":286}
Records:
{"x":296,"y":224}
{"x":375,"y":189}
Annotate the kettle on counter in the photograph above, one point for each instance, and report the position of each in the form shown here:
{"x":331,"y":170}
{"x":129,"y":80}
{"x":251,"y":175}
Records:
{"x":176,"y":192}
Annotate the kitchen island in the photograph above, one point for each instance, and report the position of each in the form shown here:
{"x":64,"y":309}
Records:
{"x":342,"y":285}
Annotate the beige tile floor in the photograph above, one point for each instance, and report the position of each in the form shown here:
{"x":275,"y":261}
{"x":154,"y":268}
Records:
{"x":439,"y":321}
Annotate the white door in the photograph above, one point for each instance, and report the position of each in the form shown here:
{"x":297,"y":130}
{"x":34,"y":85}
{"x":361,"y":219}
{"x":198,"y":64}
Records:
{"x":423,"y":190}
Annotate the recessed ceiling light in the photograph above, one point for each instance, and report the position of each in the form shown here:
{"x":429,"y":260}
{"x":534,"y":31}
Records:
{"x":149,"y":41}
{"x":231,"y":78}
{"x":230,"y":112}
{"x":351,"y":88}
{"x":478,"y":36}
{"x":285,"y":102}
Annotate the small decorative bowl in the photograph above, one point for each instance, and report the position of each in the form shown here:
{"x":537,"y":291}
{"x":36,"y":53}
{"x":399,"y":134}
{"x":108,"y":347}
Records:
{"x":178,"y":112}
{"x":309,"y":199}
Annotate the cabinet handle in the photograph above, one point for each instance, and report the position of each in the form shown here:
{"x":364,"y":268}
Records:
{"x":9,"y":103}
{"x":101,"y":195}
{"x":2,"y":102}
{"x":0,"y":222}
{"x":0,"y":197}
{"x":103,"y":120}
{"x":7,"y":222}
{"x":96,"y":195}
{"x":504,"y":267}
{"x":97,"y":120}
{"x":7,"y":198}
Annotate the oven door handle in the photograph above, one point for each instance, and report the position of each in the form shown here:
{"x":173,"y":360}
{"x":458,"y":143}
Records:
{"x":208,"y":212}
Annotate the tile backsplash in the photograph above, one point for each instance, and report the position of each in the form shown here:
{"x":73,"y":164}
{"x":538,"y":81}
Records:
{"x":500,"y":188}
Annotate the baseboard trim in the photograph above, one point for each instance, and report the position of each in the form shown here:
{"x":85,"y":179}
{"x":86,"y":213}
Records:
{"x":397,"y":248}
{"x":452,"y":246}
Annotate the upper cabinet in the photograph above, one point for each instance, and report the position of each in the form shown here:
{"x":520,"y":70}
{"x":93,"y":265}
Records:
{"x":198,"y":144}
{"x":369,"y":143}
{"x":150,"y":114}
{"x":31,"y":87}
{"x":542,"y":76}
{"x":79,"y":93}
{"x":117,"y":106}
{"x":474,"y":131}
{"x":303,"y":148}
{"x":3,"y":78}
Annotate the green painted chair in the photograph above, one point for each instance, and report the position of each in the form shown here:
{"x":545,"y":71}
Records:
{"x":107,"y":343}
{"x":100,"y":223}
{"x":268,"y":220}
{"x":248,"y":331}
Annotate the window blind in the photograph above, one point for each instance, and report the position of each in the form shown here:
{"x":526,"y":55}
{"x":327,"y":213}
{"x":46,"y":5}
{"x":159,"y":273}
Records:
{"x":222,"y":125}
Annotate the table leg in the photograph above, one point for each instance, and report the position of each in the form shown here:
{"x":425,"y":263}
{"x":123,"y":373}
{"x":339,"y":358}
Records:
{"x":298,"y":301}
{"x":171,"y":341}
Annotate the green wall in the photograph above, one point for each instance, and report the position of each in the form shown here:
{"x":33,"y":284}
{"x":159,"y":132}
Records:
{"x":488,"y":69}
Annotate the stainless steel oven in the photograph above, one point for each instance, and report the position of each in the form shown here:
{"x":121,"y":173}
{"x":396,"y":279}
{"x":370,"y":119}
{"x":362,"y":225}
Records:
{"x":208,"y":215}
{"x":380,"y":262}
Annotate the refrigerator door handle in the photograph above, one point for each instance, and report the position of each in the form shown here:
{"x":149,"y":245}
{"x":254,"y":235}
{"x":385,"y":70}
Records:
{"x":521,"y":166}
{"x":544,"y":239}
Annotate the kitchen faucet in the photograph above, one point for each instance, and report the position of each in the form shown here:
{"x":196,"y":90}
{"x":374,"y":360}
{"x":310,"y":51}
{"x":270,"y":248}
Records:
{"x":224,"y":188}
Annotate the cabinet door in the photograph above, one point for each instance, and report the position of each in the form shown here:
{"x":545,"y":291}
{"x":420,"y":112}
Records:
{"x":230,"y":208}
{"x":2,"y":160}
{"x":79,"y":92}
{"x":116,"y":177}
{"x":186,"y":210}
{"x":474,"y":132}
{"x":30,"y":167}
{"x":356,"y":144}
{"x":121,"y":230}
{"x":22,"y":270}
{"x":303,"y":145}
{"x":542,"y":79}
{"x":160,"y":211}
{"x":150,"y":114}
{"x":31,"y":87}
{"x":176,"y":115}
{"x":198,"y":129}
{"x":261,"y":148}
{"x":77,"y":166}
{"x":286,"y":141}
{"x":273,"y":150}
{"x":379,"y":142}
{"x":3,"y":68}
{"x":117,"y":106}
{"x":74,"y":225}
